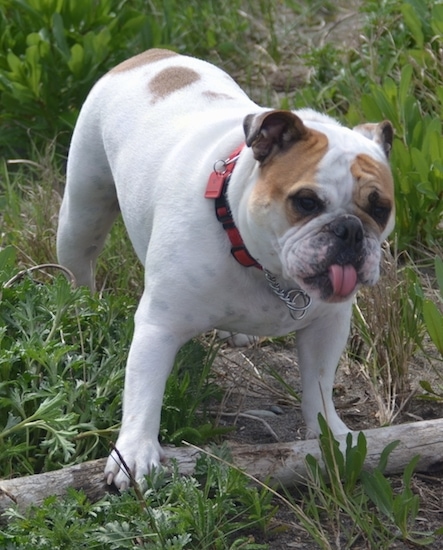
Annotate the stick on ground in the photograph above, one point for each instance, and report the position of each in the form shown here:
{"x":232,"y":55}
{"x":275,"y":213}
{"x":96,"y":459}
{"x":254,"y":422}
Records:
{"x":279,"y":463}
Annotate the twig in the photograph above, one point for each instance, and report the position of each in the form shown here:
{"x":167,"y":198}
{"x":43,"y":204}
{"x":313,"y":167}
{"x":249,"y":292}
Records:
{"x":253,"y":417}
{"x":137,"y":490}
{"x":69,"y":275}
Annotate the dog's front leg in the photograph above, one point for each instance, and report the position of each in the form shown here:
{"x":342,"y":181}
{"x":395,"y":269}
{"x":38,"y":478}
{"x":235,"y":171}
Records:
{"x":320,"y":346}
{"x":150,"y":361}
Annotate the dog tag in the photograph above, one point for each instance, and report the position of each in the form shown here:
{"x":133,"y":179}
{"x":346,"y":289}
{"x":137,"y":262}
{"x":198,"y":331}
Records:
{"x":215,"y":185}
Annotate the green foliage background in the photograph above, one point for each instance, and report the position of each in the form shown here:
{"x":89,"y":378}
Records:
{"x":52,"y":52}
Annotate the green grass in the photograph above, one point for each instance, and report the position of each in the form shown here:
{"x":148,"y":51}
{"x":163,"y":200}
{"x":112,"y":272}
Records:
{"x":62,"y":351}
{"x":214,"y":509}
{"x":345,"y":503}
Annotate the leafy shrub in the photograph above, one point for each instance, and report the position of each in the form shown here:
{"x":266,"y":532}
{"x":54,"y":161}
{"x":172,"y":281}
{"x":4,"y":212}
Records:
{"x":62,"y":357}
{"x":60,"y":378}
{"x":51,"y":53}
{"x":188,"y":392}
{"x":416,"y":158}
{"x":412,"y":99}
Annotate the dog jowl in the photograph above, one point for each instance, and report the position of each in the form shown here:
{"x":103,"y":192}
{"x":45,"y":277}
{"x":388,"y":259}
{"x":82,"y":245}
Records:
{"x":286,"y":231}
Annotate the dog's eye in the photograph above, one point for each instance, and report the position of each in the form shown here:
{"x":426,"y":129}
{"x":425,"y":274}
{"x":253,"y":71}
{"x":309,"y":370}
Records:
{"x":377,"y":210}
{"x":307,"y":204}
{"x":380,"y":214}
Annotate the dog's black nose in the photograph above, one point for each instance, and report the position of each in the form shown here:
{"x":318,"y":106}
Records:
{"x":349,"y":229}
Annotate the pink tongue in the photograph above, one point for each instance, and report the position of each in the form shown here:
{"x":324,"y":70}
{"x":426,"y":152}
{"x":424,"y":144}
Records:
{"x":343,"y":279}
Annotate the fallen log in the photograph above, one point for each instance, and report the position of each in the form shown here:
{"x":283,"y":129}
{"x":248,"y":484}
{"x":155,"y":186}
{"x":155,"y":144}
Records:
{"x":278,"y":463}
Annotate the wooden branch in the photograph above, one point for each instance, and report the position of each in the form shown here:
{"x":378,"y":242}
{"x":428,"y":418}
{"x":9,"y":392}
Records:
{"x":279,"y":463}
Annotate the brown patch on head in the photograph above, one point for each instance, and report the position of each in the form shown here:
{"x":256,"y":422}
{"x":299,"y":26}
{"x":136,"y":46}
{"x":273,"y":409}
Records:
{"x":170,"y":80}
{"x":149,"y":56}
{"x":374,"y":191}
{"x":291,"y":172}
{"x":216,"y":95}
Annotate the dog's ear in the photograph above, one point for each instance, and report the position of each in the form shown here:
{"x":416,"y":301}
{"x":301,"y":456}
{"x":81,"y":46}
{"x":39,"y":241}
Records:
{"x":271,"y":132}
{"x":382,"y":133}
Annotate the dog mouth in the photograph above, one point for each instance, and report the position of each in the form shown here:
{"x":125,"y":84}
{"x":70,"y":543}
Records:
{"x":337,"y":283}
{"x":330,"y":268}
{"x":343,"y":279}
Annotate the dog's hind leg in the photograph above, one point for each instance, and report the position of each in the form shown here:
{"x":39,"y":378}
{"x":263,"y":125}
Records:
{"x":88,"y":210}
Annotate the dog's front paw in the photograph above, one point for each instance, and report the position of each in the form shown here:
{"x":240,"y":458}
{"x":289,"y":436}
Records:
{"x":137,"y":456}
{"x":337,"y":426}
{"x":237,"y":339}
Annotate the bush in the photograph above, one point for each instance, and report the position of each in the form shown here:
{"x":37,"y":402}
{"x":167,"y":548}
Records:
{"x":51,"y":53}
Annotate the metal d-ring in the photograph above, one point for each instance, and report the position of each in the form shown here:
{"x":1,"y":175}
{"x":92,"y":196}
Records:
{"x":224,"y":164}
{"x":219,"y":162}
{"x":290,"y":297}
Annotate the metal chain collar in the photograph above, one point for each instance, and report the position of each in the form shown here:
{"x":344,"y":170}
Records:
{"x":290,"y":297}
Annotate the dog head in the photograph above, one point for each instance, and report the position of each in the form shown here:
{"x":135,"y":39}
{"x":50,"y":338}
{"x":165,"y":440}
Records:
{"x":323,"y":200}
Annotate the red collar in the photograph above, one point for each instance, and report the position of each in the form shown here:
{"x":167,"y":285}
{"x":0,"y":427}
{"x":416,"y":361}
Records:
{"x":217,"y":189}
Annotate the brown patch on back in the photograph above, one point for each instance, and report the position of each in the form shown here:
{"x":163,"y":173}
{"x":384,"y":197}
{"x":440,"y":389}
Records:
{"x":293,"y":169}
{"x":170,"y":80}
{"x":149,"y":56}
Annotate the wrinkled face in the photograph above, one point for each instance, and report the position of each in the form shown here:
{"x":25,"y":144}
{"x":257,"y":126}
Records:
{"x":328,"y":201}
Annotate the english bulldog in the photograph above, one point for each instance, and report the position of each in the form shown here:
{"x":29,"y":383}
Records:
{"x":247,"y":219}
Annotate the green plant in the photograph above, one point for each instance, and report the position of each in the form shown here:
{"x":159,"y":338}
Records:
{"x":51,"y":53}
{"x":416,"y":157}
{"x":62,"y":357}
{"x":339,"y":487}
{"x":401,"y":509}
{"x":216,"y":509}
{"x":433,"y":316}
{"x":189,"y":391}
{"x":29,"y":203}
{"x":56,"y":524}
{"x":60,"y":380}
{"x":433,"y":319}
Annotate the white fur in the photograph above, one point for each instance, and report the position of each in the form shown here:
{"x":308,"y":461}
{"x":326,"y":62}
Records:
{"x":154,"y":157}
